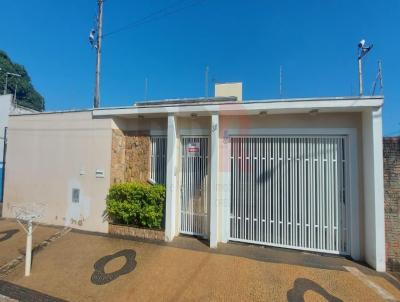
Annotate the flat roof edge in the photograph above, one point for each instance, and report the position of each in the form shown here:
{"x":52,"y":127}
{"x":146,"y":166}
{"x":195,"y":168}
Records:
{"x":276,"y":104}
{"x":164,"y":104}
{"x":163,"y":107}
{"x":51,"y":112}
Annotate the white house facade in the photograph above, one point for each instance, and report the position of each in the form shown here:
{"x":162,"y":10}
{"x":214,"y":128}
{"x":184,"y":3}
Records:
{"x":303,"y":174}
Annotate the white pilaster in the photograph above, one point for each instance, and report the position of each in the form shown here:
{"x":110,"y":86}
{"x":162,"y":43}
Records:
{"x":353,"y":189}
{"x":214,"y":180}
{"x":170,"y":207}
{"x":374,"y":235}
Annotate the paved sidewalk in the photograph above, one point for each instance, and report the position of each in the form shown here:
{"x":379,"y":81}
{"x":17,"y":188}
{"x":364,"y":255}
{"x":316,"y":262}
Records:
{"x":13,"y":239}
{"x":81,"y":267}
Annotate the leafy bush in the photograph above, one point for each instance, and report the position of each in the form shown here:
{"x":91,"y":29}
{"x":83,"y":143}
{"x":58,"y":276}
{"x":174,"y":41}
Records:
{"x":138,"y":204}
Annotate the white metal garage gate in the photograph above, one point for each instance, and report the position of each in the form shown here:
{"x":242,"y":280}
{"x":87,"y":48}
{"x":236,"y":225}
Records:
{"x":194,"y":186}
{"x":290,"y":191}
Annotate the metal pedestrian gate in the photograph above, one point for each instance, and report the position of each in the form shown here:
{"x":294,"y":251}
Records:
{"x":290,"y":191}
{"x":194,"y":186}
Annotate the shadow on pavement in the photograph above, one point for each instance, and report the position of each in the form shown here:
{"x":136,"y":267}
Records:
{"x":5,"y":235}
{"x":25,"y":294}
{"x":301,"y":285}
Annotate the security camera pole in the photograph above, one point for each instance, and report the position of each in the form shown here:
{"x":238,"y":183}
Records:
{"x":362,"y":51}
{"x":96,"y":102}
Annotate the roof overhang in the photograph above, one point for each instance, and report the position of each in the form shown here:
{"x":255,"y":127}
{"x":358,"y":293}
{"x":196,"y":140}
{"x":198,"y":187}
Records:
{"x":280,"y":106}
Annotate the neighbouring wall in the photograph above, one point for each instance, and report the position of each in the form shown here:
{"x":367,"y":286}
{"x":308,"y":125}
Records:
{"x":49,"y":155}
{"x":5,"y":106}
{"x":391,"y":166}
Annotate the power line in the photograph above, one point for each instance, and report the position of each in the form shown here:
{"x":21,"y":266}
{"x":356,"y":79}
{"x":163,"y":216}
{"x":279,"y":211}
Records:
{"x":157,"y":15}
{"x":145,"y":18}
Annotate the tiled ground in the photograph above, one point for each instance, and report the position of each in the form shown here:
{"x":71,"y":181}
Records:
{"x":185,"y":270}
{"x":13,"y":239}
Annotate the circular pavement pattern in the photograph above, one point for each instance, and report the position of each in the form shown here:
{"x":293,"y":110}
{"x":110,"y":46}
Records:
{"x":100,"y":277}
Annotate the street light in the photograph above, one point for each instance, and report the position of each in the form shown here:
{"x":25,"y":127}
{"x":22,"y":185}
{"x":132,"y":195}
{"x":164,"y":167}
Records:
{"x":11,"y":74}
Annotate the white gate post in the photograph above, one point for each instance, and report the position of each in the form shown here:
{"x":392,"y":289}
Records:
{"x":214,"y":166}
{"x":170,"y":206}
{"x":374,"y":221}
{"x":28,"y":252}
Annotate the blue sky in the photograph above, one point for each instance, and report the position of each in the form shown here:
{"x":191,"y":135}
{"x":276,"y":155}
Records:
{"x":315,"y":41}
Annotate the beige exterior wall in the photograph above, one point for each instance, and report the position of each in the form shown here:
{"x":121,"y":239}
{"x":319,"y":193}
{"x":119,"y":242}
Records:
{"x":229,"y":89}
{"x":50,"y":154}
{"x":141,"y":124}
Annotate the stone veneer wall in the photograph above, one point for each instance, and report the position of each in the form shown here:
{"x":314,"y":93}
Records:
{"x":130,"y":156}
{"x":391,"y":166}
{"x":135,"y":232}
{"x":137,"y":157}
{"x":117,"y":157}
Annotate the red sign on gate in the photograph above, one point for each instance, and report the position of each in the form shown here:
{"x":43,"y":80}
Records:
{"x":193,"y":149}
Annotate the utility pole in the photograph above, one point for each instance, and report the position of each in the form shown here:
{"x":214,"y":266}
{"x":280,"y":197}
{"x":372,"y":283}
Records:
{"x":96,"y":102}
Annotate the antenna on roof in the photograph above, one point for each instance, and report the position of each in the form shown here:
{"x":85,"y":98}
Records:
{"x":280,"y":81}
{"x":363,"y":49}
{"x":379,"y":77}
{"x":146,"y":88}
{"x":206,"y":82}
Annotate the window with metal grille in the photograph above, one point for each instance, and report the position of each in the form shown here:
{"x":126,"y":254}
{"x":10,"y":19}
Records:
{"x":158,"y":159}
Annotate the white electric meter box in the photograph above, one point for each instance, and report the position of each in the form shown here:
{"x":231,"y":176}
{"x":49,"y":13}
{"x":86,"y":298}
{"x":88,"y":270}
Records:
{"x":99,"y":173}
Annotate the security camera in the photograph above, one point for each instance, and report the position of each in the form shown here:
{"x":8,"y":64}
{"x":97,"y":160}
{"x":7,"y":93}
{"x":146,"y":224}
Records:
{"x":363,"y":49}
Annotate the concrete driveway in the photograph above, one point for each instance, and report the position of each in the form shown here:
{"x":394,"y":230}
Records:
{"x":80,"y":266}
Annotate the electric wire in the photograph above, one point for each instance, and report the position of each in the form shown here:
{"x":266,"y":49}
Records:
{"x":157,"y":15}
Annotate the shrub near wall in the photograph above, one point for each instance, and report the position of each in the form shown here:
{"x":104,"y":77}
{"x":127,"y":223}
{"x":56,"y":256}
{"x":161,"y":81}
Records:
{"x":137,"y":204}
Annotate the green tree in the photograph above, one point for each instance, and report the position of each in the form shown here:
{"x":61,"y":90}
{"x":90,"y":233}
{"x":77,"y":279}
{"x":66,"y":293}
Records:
{"x":27,"y":96}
